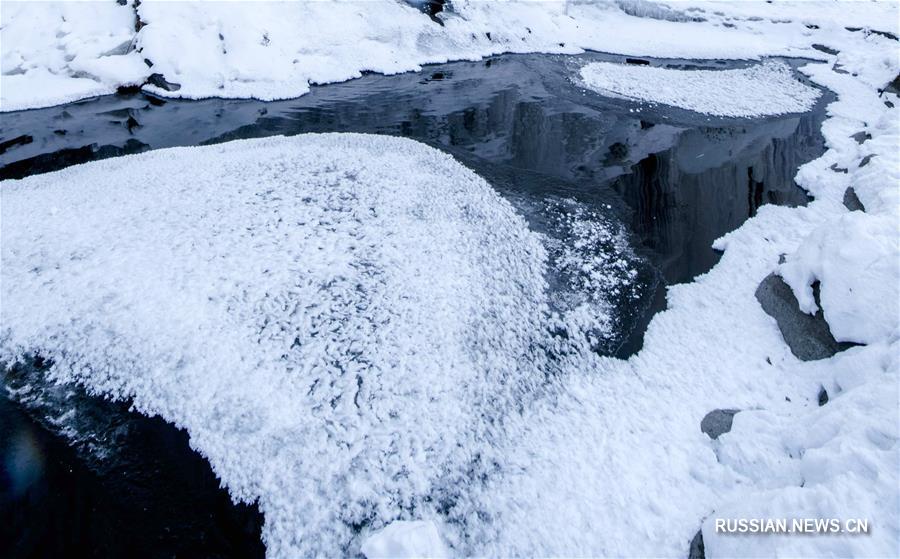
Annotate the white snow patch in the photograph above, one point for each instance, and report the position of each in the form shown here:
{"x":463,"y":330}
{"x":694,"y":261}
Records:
{"x":337,"y":320}
{"x":760,"y":90}
{"x":57,"y":52}
{"x":405,"y":539}
{"x":856,"y":258}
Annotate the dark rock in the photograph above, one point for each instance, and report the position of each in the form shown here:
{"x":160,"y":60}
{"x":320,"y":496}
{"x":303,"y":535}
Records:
{"x":834,"y":167}
{"x":433,"y":8}
{"x":826,"y":50}
{"x":892,"y":87}
{"x":717,"y":422}
{"x":698,"y":550}
{"x":128,"y":89}
{"x":823,"y":396}
{"x":865,"y":160}
{"x":861,"y":136}
{"x":851,"y":201}
{"x":638,"y":61}
{"x":808,"y":336}
{"x":159,"y":81}
{"x":17,"y":141}
{"x":886,"y":34}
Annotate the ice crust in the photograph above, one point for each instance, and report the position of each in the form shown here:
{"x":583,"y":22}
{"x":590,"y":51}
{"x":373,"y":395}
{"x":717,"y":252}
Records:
{"x":760,"y":90}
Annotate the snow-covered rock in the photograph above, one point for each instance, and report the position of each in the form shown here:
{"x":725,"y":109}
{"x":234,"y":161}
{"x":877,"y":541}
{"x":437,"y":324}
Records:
{"x":856,"y":259}
{"x":57,"y":52}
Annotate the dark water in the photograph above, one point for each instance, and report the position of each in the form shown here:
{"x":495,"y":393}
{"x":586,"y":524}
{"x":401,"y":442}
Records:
{"x":671,"y":181}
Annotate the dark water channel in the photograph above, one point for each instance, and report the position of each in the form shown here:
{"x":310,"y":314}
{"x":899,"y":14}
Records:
{"x":672,"y":181}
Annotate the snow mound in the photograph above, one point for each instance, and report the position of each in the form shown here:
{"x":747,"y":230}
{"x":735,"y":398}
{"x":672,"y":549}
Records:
{"x":337,"y":320}
{"x":760,"y":90}
{"x":856,"y":258}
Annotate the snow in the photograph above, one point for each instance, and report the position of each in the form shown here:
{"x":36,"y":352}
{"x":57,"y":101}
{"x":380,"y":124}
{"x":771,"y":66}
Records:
{"x":335,"y":319}
{"x":760,"y":90}
{"x":404,"y":538}
{"x":276,"y":50}
{"x":58,"y":52}
{"x":856,"y":259}
{"x":187,"y":296}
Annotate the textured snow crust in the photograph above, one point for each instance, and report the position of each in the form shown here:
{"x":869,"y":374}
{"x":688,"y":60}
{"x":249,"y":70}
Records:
{"x":761,"y":90}
{"x":339,"y":321}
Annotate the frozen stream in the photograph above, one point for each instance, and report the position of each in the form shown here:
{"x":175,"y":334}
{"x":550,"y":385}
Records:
{"x":629,"y":198}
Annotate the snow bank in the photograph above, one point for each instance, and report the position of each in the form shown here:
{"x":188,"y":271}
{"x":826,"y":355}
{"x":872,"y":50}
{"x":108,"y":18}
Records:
{"x":275,"y":50}
{"x":767,"y":89}
{"x":333,"y":318}
{"x":57,"y":52}
{"x":856,"y":259}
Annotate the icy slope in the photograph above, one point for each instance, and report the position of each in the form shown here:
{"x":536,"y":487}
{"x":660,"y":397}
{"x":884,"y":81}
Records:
{"x":339,"y":321}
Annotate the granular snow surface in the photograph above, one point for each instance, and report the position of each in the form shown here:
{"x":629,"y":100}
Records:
{"x":337,"y":320}
{"x":760,"y":90}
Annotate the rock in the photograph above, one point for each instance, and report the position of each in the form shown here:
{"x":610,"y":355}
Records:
{"x":808,"y":336}
{"x":638,"y":61}
{"x":697,"y":551}
{"x":823,"y":396}
{"x":886,"y":34}
{"x":716,"y":422}
{"x":861,"y":136}
{"x":892,"y":87}
{"x":851,"y":201}
{"x":826,"y":50}
{"x":159,"y":81}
